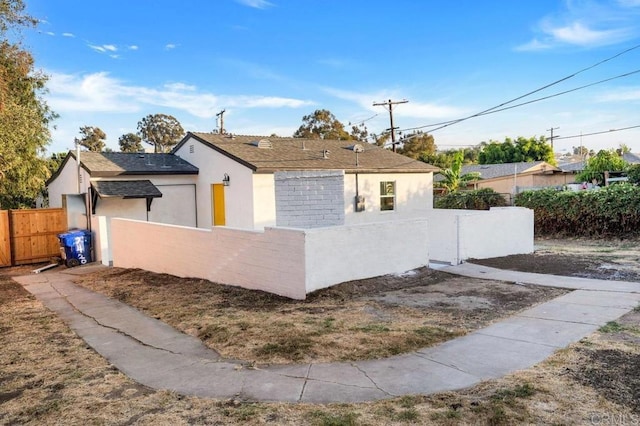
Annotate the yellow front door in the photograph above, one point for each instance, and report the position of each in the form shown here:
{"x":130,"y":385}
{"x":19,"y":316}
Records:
{"x":217,"y":204}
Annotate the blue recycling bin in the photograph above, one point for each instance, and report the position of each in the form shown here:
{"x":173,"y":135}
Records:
{"x":75,"y":247}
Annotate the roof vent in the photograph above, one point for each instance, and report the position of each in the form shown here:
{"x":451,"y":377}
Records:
{"x":325,"y":154}
{"x":262,"y":143}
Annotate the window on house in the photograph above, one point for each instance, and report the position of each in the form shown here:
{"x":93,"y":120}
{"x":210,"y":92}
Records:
{"x":387,"y":195}
{"x":191,"y":149}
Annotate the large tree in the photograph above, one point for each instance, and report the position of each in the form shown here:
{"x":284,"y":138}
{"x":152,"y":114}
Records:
{"x":130,"y":143}
{"x":92,"y":138}
{"x":160,"y":130}
{"x":418,"y":145}
{"x":24,"y":116}
{"x":516,"y":151}
{"x":322,"y":124}
{"x":603,"y":161}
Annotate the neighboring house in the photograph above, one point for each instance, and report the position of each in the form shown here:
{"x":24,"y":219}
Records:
{"x":151,"y":187}
{"x":631,"y":158}
{"x":512,"y":178}
{"x":250,"y":182}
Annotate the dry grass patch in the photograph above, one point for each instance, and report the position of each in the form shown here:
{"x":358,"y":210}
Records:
{"x":365,"y":319}
{"x":49,"y":376}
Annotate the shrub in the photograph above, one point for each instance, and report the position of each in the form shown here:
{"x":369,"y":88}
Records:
{"x":481,"y":199}
{"x":613,"y":211}
{"x":633,"y":172}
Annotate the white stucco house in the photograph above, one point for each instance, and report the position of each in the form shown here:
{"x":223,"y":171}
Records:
{"x":142,"y":186}
{"x":252,"y":182}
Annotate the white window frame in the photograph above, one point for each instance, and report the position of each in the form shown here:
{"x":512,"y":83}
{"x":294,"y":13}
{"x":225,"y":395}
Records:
{"x":384,"y":195}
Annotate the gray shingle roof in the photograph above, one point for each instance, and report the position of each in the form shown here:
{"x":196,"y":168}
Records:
{"x":631,"y":158}
{"x":126,"y":188}
{"x":576,"y":166}
{"x":101,"y":164}
{"x":307,"y":154}
{"x":492,"y":171}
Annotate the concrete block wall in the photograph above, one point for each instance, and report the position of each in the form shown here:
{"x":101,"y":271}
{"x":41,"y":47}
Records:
{"x":271,"y":261}
{"x":288,"y":262}
{"x":345,"y":253}
{"x":309,"y":199}
{"x":458,"y":235}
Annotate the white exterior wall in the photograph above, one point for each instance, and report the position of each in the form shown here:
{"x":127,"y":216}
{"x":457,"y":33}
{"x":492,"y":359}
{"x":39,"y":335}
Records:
{"x":176,"y":206}
{"x":272,"y":260}
{"x":67,"y":183}
{"x":344,"y":253}
{"x":414,"y":196}
{"x":238,"y":195}
{"x":264,"y":200}
{"x":457,"y":235}
{"x":288,"y":262}
{"x":101,"y":239}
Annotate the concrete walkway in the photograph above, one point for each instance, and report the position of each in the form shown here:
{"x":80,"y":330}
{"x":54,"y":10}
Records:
{"x":156,"y":355}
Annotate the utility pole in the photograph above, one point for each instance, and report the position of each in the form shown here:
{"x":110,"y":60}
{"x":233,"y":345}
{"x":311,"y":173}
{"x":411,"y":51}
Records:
{"x":389,"y":106}
{"x":220,"y":115}
{"x":552,"y":137}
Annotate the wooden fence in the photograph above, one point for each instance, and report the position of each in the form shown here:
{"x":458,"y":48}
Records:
{"x":30,"y":236}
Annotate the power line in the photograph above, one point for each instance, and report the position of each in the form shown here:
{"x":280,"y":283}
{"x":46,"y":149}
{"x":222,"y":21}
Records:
{"x":493,"y":111}
{"x":361,"y":122}
{"x":488,"y":110}
{"x":597,"y":133}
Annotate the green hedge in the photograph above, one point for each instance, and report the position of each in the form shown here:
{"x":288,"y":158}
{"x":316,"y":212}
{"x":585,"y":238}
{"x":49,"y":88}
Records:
{"x":613,"y":211}
{"x":481,"y":199}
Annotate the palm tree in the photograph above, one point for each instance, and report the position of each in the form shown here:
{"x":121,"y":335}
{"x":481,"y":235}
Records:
{"x":453,"y":179}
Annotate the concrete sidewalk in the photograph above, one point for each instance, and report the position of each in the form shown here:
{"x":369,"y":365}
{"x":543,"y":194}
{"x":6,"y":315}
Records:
{"x":156,"y":355}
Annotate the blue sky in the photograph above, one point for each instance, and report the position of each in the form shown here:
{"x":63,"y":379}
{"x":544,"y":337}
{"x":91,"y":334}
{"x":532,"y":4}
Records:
{"x":269,"y":63}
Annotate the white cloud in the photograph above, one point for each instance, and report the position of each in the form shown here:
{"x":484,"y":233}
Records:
{"x":624,"y":94}
{"x":587,"y":24}
{"x":104,"y":48}
{"x":579,"y":34}
{"x":99,"y":92}
{"x":412,"y":109}
{"x":629,"y":3}
{"x":170,"y":46}
{"x":50,"y":33}
{"x":533,"y":45}
{"x":257,"y":4}
{"x":68,"y":35}
{"x":180,"y":86}
{"x":266,"y":102}
{"x":91,"y":92}
{"x":133,"y":47}
{"x":97,"y":48}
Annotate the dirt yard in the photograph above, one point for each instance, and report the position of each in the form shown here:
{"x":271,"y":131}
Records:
{"x":48,"y":375}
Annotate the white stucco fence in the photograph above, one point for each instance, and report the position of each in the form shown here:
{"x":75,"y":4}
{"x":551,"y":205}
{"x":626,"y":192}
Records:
{"x":285,"y":261}
{"x":458,"y":235}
